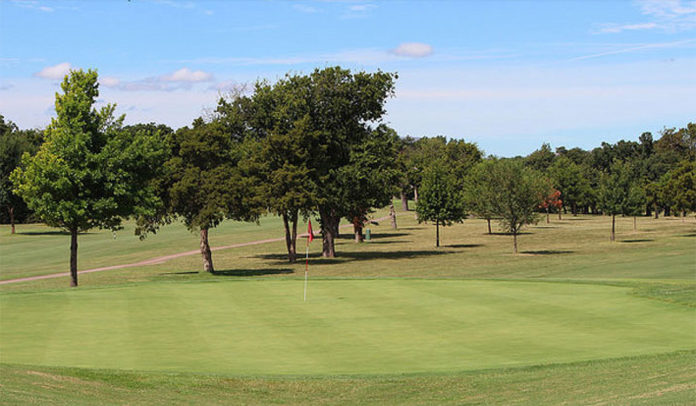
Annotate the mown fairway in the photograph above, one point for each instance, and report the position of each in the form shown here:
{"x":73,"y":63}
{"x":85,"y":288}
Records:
{"x":563,"y":315}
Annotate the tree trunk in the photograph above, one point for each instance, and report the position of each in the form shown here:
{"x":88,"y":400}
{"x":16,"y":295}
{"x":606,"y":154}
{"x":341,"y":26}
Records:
{"x":574,"y":209}
{"x":329,"y":232}
{"x":290,"y":224}
{"x":667,"y":211}
{"x":73,"y":257}
{"x":12,"y":224}
{"x":415,"y":194}
{"x":514,"y":241}
{"x":205,"y":252}
{"x":392,"y":214}
{"x":559,"y":214}
{"x":634,"y":224}
{"x":404,"y":201}
{"x":357,"y":229}
{"x":613,"y":226}
{"x":648,"y":210}
{"x":489,"y":226}
{"x":437,"y":232}
{"x":547,"y":216}
{"x":657,"y":211}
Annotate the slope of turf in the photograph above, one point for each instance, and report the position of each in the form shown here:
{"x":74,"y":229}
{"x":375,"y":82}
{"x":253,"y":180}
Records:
{"x":665,"y":379}
{"x":346,"y":327}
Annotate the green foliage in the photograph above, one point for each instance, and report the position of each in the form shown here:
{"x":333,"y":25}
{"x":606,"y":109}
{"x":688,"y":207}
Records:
{"x":519,"y":191}
{"x":480,"y":190}
{"x":13,"y":144}
{"x":619,"y":193}
{"x":568,"y":177}
{"x":541,"y":159}
{"x":679,"y":187}
{"x":441,"y":198}
{"x":88,"y":173}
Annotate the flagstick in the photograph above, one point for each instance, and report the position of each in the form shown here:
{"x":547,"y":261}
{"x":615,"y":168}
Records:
{"x":305,"y":269}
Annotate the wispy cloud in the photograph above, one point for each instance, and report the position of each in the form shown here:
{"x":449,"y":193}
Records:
{"x":33,"y":5}
{"x":641,"y":47}
{"x":358,"y":10}
{"x":305,"y":8}
{"x":54,"y":72}
{"x":665,"y":15}
{"x":413,"y":50}
{"x":183,"y":78}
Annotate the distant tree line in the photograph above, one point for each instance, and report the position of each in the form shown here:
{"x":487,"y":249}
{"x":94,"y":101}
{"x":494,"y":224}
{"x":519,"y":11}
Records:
{"x":312,"y":145}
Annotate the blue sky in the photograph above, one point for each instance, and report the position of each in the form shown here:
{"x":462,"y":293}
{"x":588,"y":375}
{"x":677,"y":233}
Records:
{"x":508,"y":75}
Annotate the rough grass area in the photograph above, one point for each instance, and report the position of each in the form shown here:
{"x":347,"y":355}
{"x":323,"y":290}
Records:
{"x":667,"y":379}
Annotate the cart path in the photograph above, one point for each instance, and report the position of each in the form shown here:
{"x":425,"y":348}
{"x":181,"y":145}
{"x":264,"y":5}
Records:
{"x":163,"y":259}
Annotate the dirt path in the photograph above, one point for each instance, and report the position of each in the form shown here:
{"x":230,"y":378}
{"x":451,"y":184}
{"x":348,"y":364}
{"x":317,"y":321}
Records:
{"x":160,"y":260}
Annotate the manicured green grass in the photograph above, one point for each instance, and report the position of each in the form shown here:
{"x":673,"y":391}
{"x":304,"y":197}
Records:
{"x":454,"y":320}
{"x":346,"y":327}
{"x":666,"y":379}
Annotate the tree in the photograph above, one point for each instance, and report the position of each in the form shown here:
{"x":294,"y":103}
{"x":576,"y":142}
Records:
{"x":479,"y":191}
{"x":13,"y":144}
{"x":370,"y":179}
{"x":283,"y":149}
{"x":519,"y":192}
{"x":552,"y":201}
{"x":619,"y":193}
{"x":203,"y":183}
{"x":680,"y":187}
{"x":541,"y":159}
{"x":341,"y":108}
{"x":569,"y":179}
{"x":441,"y":198}
{"x":88,"y":173}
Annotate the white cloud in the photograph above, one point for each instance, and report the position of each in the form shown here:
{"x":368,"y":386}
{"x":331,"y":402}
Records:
{"x":33,"y":5}
{"x":613,"y":28}
{"x":361,"y":7}
{"x":109,"y":81}
{"x":187,"y":75}
{"x":305,"y":8}
{"x":413,"y":50}
{"x":666,"y":15}
{"x":625,"y":50}
{"x":54,"y":72}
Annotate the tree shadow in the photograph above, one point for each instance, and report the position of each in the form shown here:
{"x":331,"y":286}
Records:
{"x":45,"y":233}
{"x":317,"y":259}
{"x":637,"y":240}
{"x":386,"y":242}
{"x":252,"y":272}
{"x":689,"y":235}
{"x":464,"y":245}
{"x":510,"y":234}
{"x":545,"y":226}
{"x":180,"y":273}
{"x":548,"y":252}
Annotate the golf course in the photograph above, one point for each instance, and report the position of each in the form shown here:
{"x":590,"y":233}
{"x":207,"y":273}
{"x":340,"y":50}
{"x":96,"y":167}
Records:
{"x":573,"y":318}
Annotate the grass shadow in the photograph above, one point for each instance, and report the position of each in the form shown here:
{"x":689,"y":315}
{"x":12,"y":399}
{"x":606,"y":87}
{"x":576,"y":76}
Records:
{"x":637,"y":240}
{"x":688,"y":235}
{"x":180,"y":273}
{"x":510,"y":234}
{"x":387,"y":241}
{"x":464,"y":245}
{"x":548,"y":252}
{"x":341,"y":257}
{"x":252,"y":272}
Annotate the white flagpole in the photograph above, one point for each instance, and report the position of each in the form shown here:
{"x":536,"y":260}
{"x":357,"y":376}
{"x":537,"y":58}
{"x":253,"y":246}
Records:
{"x":305,"y":270}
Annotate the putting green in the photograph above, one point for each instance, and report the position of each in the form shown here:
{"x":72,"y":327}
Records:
{"x":346,"y":326}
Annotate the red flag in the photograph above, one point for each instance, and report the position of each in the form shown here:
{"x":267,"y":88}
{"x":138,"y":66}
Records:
{"x":310,"y":235}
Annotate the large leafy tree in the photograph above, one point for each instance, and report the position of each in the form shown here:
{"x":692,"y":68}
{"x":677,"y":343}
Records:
{"x":480,"y":191}
{"x":370,"y":179}
{"x":680,"y":187}
{"x":619,"y":193}
{"x":13,"y":144}
{"x":88,"y":173}
{"x":203,"y":183}
{"x":341,"y":108}
{"x":441,"y":198}
{"x":568,"y":177}
{"x":519,"y":191}
{"x":283,"y":147}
